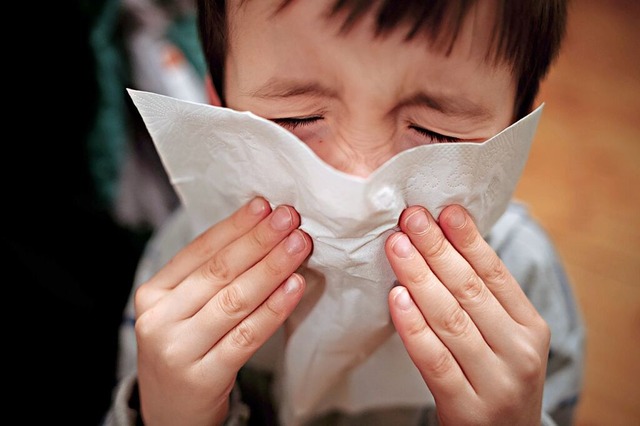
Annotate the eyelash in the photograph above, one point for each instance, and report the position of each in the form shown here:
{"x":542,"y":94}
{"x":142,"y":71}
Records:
{"x":435,"y":136}
{"x":294,"y":123}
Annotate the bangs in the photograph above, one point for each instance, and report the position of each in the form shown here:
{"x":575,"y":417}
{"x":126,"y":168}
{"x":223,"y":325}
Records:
{"x":438,"y":20}
{"x":516,"y":23}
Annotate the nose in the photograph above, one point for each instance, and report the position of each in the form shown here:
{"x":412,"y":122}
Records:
{"x":356,"y":154}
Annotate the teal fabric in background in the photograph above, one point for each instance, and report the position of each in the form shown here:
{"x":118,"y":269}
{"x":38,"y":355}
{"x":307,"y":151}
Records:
{"x":108,"y":139}
{"x":183,"y":31}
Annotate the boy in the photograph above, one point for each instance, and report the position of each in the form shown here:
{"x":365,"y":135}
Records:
{"x":359,"y":82}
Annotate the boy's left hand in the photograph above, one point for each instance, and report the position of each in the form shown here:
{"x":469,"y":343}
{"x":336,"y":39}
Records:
{"x":477,"y":340}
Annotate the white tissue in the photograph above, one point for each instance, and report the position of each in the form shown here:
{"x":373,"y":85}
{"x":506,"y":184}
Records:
{"x":218,"y":159}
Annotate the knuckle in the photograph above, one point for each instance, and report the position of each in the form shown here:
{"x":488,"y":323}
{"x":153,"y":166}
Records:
{"x":533,"y":364}
{"x":274,"y":309}
{"x":441,"y":365}
{"x":142,"y":297}
{"x":417,"y":329}
{"x":260,"y":239}
{"x":472,"y":289}
{"x":243,"y":336}
{"x":544,"y":331}
{"x":471,"y":241}
{"x":507,"y":389}
{"x":455,"y":322}
{"x":202,"y":244}
{"x":532,"y":369}
{"x":172,"y":356}
{"x":497,"y":273}
{"x":438,"y":248}
{"x":272,"y":267}
{"x":419,"y":276}
{"x":231,"y":301}
{"x":144,"y":325}
{"x":539,"y":330}
{"x":217,"y":269}
{"x":149,"y":327}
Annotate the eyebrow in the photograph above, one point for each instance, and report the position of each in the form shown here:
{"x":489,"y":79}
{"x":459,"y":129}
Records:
{"x":457,"y":107}
{"x":277,"y":88}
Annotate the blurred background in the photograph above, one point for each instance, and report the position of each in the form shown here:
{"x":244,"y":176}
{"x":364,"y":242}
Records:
{"x":89,"y":190}
{"x":582,"y":181}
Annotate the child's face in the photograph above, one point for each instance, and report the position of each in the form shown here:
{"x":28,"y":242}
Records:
{"x":356,"y":100}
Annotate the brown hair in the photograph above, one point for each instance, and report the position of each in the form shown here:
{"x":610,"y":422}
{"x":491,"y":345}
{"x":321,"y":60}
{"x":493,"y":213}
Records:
{"x":527,"y":33}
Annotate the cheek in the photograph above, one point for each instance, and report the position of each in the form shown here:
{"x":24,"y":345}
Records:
{"x":310,"y":134}
{"x":410,"y":139}
{"x":322,"y":141}
{"x":315,"y":137}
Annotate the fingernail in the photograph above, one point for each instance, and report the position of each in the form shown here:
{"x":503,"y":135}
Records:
{"x":257,"y":206}
{"x":281,"y":219}
{"x":403,"y":299}
{"x":456,"y":218}
{"x":418,"y":222}
{"x":402,"y":247}
{"x":292,"y":285}
{"x":295,"y":242}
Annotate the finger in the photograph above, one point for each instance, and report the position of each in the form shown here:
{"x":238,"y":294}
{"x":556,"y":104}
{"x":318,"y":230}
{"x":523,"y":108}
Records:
{"x":458,"y":275}
{"x":211,"y":241}
{"x":460,"y":230}
{"x":227,"y":264}
{"x":235,"y":302}
{"x":243,"y":340}
{"x":197,"y":252}
{"x":440,"y":309}
{"x":437,"y":365}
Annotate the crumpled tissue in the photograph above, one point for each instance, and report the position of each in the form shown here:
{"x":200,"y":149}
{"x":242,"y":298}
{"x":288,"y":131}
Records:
{"x":341,"y":351}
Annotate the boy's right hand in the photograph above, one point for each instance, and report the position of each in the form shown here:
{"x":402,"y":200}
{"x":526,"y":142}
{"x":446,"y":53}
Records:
{"x":203,"y":315}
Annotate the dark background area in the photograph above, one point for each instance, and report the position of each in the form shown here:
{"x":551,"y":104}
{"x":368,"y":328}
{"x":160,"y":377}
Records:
{"x":68,"y":264}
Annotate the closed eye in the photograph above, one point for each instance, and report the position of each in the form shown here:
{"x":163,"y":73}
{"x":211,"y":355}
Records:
{"x":433,"y":136}
{"x":292,"y":123}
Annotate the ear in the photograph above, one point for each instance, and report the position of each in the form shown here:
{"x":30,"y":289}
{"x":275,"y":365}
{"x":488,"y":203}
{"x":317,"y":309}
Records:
{"x":212,"y":94}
